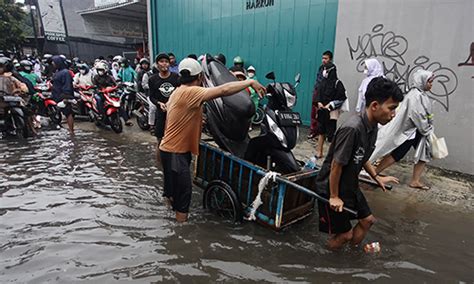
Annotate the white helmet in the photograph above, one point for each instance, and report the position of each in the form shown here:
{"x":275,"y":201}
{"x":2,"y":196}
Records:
{"x":101,"y":65}
{"x":117,"y":58}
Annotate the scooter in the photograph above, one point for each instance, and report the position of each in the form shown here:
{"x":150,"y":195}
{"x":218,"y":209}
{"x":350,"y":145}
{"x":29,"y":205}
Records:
{"x":12,"y":116}
{"x":141,"y":111}
{"x":279,"y":130}
{"x":128,"y":94}
{"x":43,"y":104}
{"x":83,"y":95}
{"x":227,"y":118}
{"x":111,"y":109}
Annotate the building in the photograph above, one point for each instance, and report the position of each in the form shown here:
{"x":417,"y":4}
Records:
{"x":288,"y":37}
{"x":90,"y":28}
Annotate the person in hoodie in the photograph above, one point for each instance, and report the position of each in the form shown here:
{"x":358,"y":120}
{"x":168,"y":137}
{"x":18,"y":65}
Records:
{"x":84,"y":77}
{"x":372,"y":69}
{"x":143,"y":68}
{"x":411,"y":127}
{"x":63,"y":89}
{"x":126,"y":72}
{"x":331,"y":94}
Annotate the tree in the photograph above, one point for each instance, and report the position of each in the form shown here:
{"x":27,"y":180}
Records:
{"x":12,"y":18}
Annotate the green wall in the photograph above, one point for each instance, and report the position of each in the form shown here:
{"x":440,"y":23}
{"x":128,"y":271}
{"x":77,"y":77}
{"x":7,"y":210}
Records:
{"x":287,"y":38}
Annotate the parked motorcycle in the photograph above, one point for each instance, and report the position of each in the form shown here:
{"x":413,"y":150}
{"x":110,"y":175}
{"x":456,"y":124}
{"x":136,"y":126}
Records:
{"x":279,"y":130}
{"x":109,"y":115}
{"x":129,"y":97}
{"x":12,"y":116}
{"x":43,"y":104}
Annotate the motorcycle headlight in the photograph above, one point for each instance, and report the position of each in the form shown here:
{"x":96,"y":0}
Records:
{"x":277,"y":131}
{"x":290,"y":99}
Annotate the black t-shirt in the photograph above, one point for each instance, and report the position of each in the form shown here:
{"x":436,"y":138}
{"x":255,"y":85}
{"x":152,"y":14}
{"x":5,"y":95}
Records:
{"x":352,"y":147}
{"x":162,"y":88}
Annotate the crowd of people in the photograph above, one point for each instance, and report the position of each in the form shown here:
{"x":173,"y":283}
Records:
{"x":381,"y":132}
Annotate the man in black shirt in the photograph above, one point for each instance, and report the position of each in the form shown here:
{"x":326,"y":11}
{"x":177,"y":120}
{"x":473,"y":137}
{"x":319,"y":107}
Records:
{"x":349,"y":152}
{"x":162,"y":85}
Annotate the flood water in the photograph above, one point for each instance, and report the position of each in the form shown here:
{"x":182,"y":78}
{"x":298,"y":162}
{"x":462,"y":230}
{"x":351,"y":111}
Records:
{"x":90,"y":210}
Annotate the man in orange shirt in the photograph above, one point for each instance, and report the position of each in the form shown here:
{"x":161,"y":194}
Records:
{"x":183,"y":131}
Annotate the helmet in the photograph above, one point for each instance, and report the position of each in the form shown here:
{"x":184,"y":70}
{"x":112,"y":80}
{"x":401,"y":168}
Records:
{"x":83,"y":66}
{"x":26,"y":65}
{"x":238,"y":60}
{"x":251,"y":69}
{"x":76,"y":60}
{"x":101,"y":65}
{"x":6,"y":63}
{"x":117,"y":58}
{"x":47,"y":56}
{"x":124,"y":61}
{"x":144,"y":61}
{"x":220,"y":57}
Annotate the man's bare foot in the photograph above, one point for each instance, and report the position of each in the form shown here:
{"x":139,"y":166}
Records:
{"x":419,"y":186}
{"x":181,"y":217}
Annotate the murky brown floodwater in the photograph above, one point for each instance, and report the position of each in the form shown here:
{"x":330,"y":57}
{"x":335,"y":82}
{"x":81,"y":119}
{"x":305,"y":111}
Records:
{"x":90,"y":210}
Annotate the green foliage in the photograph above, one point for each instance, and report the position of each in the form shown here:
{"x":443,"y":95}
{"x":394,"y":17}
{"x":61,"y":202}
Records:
{"x":12,"y":20}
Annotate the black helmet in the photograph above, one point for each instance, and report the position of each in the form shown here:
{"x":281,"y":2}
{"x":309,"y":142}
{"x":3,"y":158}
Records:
{"x":26,"y":65}
{"x":221,"y":58}
{"x":124,"y":60}
{"x":144,"y":61}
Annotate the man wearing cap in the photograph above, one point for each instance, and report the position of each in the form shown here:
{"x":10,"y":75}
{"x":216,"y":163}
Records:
{"x":183,"y":131}
{"x":161,"y":86}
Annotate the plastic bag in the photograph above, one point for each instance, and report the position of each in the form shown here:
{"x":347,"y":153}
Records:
{"x":439,"y":150}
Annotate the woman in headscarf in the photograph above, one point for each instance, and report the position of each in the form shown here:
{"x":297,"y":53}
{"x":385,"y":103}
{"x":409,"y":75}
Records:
{"x":411,"y":127}
{"x":372,"y":69}
{"x":331,"y":94}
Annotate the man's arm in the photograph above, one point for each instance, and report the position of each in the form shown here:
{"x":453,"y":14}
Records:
{"x":334,"y":178}
{"x":234,"y":87}
{"x":380,"y":180}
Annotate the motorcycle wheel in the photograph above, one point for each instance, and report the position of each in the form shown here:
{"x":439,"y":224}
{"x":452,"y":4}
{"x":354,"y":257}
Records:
{"x":21,"y":129}
{"x":54,"y":114}
{"x":116,"y":123}
{"x":143,"y":122}
{"x":257,"y":119}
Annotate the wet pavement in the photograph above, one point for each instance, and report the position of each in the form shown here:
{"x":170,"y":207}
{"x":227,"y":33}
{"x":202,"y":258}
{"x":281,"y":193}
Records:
{"x":89,"y":209}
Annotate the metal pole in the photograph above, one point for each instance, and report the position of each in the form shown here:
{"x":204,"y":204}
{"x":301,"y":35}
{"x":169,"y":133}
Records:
{"x":65,"y":27}
{"x":33,"y":22}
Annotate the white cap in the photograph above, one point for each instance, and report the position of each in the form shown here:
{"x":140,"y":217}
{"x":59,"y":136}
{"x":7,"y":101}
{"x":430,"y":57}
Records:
{"x":251,"y":68}
{"x":191,"y":65}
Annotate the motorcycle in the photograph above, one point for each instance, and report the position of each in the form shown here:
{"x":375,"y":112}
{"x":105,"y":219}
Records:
{"x":128,"y":94}
{"x":227,"y":118}
{"x":12,"y":116}
{"x":279,"y":129}
{"x":83,"y":95}
{"x":43,"y":104}
{"x":109,"y":115}
{"x":141,"y":111}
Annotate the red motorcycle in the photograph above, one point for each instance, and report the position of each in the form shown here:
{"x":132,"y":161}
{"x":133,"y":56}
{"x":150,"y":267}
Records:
{"x":110,"y":113}
{"x":84,"y":95}
{"x":43,"y":104}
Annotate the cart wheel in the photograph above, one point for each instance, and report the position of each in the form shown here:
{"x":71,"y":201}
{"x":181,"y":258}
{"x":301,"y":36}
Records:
{"x":220,"y":199}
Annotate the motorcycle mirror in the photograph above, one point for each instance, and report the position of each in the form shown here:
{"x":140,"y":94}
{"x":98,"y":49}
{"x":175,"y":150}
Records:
{"x":270,"y":76}
{"x":298,"y":78}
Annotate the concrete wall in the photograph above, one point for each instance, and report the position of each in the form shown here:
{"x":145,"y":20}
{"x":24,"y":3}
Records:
{"x":409,"y":34}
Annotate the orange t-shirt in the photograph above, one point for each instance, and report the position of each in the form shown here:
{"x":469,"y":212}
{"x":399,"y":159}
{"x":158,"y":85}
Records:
{"x":184,"y":120}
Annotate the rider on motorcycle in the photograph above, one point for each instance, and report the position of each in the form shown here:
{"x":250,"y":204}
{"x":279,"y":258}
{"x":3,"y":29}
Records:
{"x":102,"y":80}
{"x":142,"y":70}
{"x":126,"y":72}
{"x":84,"y":77}
{"x":9,"y":84}
{"x":26,"y":68}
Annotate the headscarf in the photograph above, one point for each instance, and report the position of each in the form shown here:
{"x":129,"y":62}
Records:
{"x":420,"y":78}
{"x":374,"y":69}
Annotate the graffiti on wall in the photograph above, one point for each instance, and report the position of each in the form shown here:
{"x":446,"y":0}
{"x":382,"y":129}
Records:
{"x":391,"y":48}
{"x":469,"y":58}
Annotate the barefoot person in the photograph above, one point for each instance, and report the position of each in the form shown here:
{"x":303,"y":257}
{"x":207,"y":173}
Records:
{"x":183,"y":131}
{"x":410,"y":128}
{"x":349,"y":152}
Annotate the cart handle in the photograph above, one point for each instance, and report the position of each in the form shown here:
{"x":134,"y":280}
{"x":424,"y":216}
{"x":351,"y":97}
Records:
{"x":305,"y":190}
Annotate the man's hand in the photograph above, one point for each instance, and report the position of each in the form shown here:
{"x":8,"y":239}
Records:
{"x":320,"y":105}
{"x":336,"y":204}
{"x":162,"y":106}
{"x":382,"y":181}
{"x":261,"y":91}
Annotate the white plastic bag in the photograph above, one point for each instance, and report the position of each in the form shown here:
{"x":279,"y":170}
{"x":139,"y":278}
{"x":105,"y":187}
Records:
{"x":439,"y":150}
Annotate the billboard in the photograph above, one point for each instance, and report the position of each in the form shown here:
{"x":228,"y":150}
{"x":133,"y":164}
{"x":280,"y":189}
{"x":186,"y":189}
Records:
{"x":52,"y":19}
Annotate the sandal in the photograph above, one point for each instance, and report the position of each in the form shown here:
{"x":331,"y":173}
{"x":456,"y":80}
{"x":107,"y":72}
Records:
{"x":128,"y":123}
